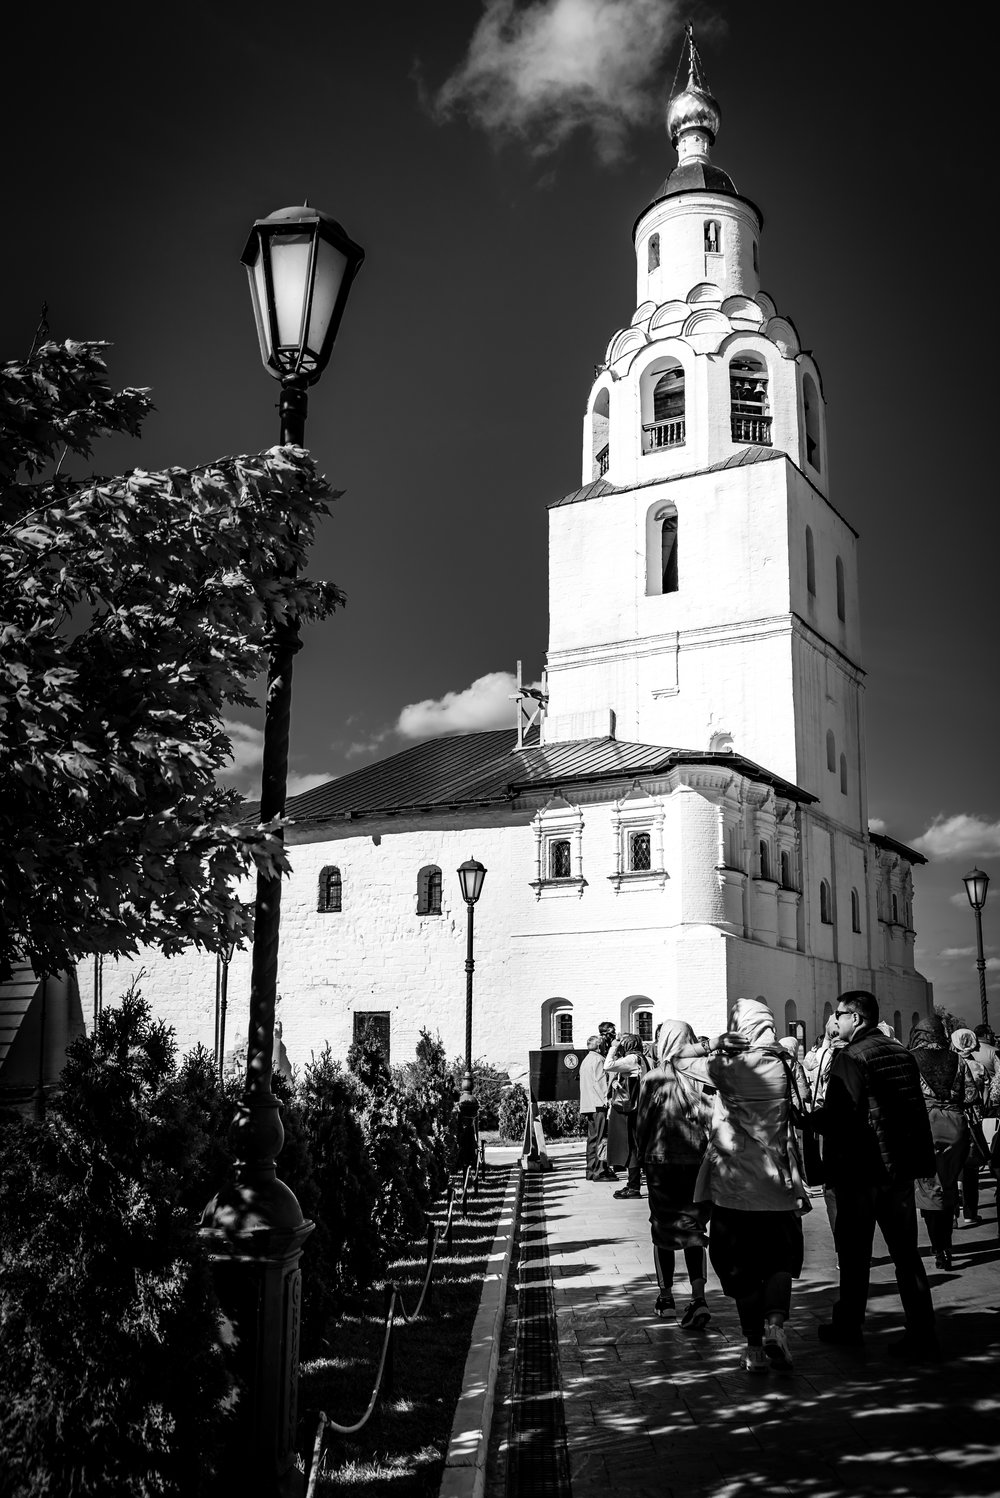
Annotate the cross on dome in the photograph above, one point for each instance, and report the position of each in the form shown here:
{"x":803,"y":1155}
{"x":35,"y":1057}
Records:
{"x":694,"y":109}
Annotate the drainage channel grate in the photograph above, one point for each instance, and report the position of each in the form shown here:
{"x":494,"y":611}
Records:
{"x":537,"y":1460}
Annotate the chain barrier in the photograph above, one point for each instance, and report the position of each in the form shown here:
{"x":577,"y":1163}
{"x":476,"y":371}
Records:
{"x":395,"y":1305}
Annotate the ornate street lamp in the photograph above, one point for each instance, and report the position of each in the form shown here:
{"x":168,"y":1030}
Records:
{"x":301,"y":265}
{"x":976,"y":884}
{"x":470,"y":877}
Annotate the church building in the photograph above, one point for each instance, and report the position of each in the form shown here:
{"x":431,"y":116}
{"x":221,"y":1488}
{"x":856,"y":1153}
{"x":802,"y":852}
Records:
{"x":679,"y":817}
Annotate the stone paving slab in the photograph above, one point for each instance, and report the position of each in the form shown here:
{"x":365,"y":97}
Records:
{"x":651,"y":1409}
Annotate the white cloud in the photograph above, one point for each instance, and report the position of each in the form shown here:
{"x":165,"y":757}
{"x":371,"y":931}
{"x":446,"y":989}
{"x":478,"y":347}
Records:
{"x":950,"y":952}
{"x":962,"y":901}
{"x":876,"y":824}
{"x":248,"y":749}
{"x":297,"y":784}
{"x":541,"y":71}
{"x":960,"y":836}
{"x":486,"y":704}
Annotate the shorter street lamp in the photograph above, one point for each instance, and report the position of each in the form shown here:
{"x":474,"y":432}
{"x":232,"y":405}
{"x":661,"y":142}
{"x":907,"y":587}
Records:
{"x":976,"y":884}
{"x":470,"y":877}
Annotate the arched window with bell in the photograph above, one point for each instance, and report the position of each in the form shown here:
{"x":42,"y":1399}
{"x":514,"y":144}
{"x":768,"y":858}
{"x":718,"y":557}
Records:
{"x":661,"y":559}
{"x":749,"y":408}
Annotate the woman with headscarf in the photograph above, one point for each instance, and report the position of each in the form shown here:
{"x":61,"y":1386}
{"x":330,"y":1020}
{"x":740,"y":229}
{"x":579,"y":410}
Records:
{"x":965,"y":1043}
{"x":752,"y":1179}
{"x":948,"y":1089}
{"x":671,"y":1134}
{"x":625,"y":1065}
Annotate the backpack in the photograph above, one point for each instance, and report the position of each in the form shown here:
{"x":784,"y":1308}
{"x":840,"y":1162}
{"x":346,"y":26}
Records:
{"x":623,"y":1088}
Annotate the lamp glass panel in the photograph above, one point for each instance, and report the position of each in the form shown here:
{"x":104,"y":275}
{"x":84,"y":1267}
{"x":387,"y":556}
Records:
{"x":331,"y":264}
{"x":258,"y":295}
{"x":289,"y":277}
{"x":976,"y":885}
{"x":471,"y":876}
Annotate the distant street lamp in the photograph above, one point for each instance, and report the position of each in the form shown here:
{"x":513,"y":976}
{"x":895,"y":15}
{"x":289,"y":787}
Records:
{"x":470,"y":877}
{"x":976,"y":885}
{"x":301,"y":265}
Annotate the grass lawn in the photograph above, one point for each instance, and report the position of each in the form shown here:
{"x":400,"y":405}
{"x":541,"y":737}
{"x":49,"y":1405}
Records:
{"x":402,"y":1448}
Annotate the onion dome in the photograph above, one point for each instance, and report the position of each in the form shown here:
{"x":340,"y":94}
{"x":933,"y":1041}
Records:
{"x":693,"y":108}
{"x":693,"y":120}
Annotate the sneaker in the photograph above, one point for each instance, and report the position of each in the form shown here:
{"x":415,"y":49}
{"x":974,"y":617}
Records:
{"x":664,"y":1304}
{"x":627,"y":1193}
{"x":696,"y":1316}
{"x":841,"y":1336}
{"x":754,"y":1360}
{"x":968,"y":1222}
{"x":943,"y":1261}
{"x":776,"y":1349}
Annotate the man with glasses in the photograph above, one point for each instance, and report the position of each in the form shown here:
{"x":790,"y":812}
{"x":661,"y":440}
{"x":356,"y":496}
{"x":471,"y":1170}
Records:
{"x":876,"y":1141}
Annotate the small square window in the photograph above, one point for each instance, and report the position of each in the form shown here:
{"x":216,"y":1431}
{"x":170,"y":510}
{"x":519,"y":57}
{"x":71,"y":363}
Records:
{"x":639,"y":852}
{"x":559,"y":859}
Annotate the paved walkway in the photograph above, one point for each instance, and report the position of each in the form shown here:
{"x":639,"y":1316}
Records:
{"x":649,"y":1409}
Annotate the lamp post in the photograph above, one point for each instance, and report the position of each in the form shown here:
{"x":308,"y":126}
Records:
{"x":976,"y":884}
{"x":300,"y":265}
{"x":470,"y":877}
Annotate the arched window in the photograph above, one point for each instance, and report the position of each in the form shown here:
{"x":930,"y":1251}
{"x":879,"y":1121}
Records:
{"x":825,"y":903}
{"x":843,"y":773}
{"x":557,"y":1022}
{"x":915,"y":1018}
{"x":638,"y":852}
{"x":897,"y":1023}
{"x":637,"y":1016}
{"x":667,"y":429}
{"x":748,"y":400}
{"x":756,"y":266}
{"x":559,"y":859}
{"x":831,"y":750}
{"x":668,"y":552}
{"x":827,"y":1013}
{"x":600,"y":433}
{"x":713,"y":237}
{"x":786,"y":869}
{"x":841,"y":592}
{"x":810,"y":563}
{"x":653,"y":262}
{"x":765,"y":860}
{"x":810,"y":404}
{"x":791,"y":1016}
{"x":331,"y":890}
{"x":855,"y":911}
{"x":429,"y":890}
{"x":895,"y":910}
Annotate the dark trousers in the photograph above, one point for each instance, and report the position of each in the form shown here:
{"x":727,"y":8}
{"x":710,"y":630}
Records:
{"x":597,"y":1140}
{"x":859,"y":1208}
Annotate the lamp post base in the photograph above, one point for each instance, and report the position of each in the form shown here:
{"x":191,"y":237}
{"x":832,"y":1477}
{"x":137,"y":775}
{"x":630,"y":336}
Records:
{"x":259,"y":1285}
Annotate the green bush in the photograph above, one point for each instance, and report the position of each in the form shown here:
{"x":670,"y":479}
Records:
{"x":512,"y":1112}
{"x":113,"y":1377}
{"x":561,"y":1120}
{"x":488,"y":1084}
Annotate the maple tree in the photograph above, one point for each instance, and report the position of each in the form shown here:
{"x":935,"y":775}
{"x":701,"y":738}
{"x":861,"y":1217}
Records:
{"x":133,"y":609}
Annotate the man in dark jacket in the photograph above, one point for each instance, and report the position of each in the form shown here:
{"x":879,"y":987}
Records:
{"x":876,"y":1141}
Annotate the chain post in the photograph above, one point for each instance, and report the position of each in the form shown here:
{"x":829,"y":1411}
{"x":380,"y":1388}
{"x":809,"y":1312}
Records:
{"x":389,"y":1372}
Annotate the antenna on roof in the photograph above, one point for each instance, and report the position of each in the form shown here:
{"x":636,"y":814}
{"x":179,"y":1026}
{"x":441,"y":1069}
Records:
{"x":531,"y":705}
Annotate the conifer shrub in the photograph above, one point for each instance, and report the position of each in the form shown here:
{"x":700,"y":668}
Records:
{"x":113,"y":1377}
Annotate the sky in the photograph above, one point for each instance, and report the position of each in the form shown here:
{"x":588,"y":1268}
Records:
{"x":491,"y":159}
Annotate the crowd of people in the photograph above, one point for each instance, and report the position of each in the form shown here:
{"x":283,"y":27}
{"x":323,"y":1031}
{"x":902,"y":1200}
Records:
{"x":736,"y":1134}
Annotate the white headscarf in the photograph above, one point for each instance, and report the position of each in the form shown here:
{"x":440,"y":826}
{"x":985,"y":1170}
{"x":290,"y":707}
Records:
{"x":675,"y":1034}
{"x":752,"y":1019}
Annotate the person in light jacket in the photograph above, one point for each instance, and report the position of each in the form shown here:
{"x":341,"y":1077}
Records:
{"x":752,"y":1179}
{"x":625,"y":1061}
{"x":594,"y":1107}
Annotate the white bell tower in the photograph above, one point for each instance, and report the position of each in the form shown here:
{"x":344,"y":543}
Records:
{"x":703,"y":589}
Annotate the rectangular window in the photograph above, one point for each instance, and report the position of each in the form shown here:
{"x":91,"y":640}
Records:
{"x":559,"y":860}
{"x":375,"y":1025}
{"x":643,"y":1022}
{"x":638,"y":852}
{"x":564,"y":1029}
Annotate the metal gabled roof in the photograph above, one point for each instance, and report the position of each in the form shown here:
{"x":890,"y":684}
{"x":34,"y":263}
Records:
{"x":481,"y":769}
